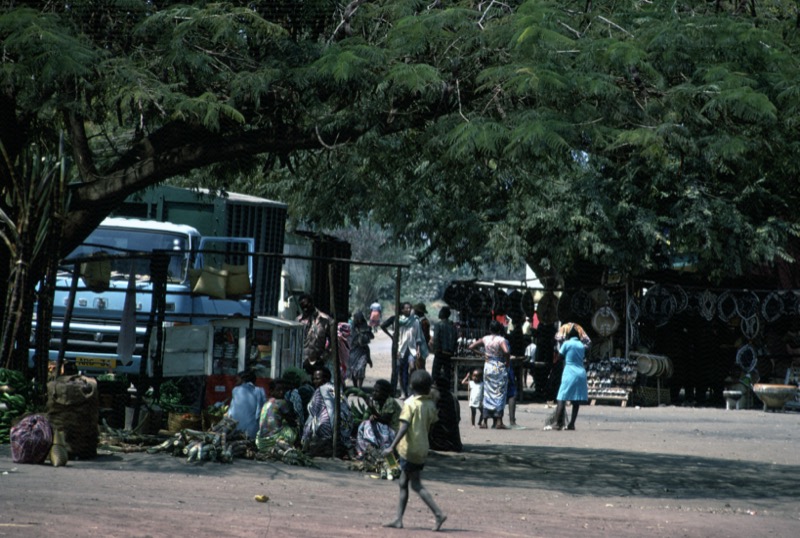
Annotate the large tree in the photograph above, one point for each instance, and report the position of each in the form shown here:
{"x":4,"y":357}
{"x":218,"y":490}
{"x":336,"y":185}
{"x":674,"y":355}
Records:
{"x":550,"y":131}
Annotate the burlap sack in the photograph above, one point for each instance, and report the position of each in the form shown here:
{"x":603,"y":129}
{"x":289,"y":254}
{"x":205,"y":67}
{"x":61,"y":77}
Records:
{"x":73,"y":408}
{"x":237,"y":282}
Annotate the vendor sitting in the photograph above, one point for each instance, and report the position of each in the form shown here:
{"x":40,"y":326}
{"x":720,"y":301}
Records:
{"x":379,"y":429}
{"x":246,"y":403}
{"x":444,"y":434}
{"x":278,"y":421}
{"x":317,"y":437}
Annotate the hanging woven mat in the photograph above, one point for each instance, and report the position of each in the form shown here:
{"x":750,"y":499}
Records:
{"x":772,"y":307}
{"x":528,"y":303}
{"x":726,"y":306}
{"x":548,"y":308}
{"x":581,"y":303}
{"x":681,"y":299}
{"x":747,"y":358}
{"x":748,"y":304}
{"x":501,"y":302}
{"x":633,"y":310}
{"x":565,"y":306}
{"x":605,"y":321}
{"x":659,"y":305}
{"x":454,"y":296}
{"x":599,"y":297}
{"x":708,"y":305}
{"x":515,"y":306}
{"x":750,"y":327}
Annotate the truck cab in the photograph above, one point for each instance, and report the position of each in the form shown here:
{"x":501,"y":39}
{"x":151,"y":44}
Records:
{"x":95,"y":327}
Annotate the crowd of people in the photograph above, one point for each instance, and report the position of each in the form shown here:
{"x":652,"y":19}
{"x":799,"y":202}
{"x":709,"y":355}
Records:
{"x":300,"y":407}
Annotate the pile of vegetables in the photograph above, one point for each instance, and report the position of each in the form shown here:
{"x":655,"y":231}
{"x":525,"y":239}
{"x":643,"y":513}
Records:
{"x":221,"y":444}
{"x":171,"y":399}
{"x":15,"y":400}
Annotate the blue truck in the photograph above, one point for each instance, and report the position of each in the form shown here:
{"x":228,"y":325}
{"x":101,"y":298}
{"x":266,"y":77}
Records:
{"x":99,"y":325}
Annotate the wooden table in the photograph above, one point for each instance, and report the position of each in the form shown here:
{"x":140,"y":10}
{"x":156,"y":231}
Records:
{"x":477,"y":362}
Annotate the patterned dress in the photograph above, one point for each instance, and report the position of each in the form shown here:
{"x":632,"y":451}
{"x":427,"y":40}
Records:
{"x":495,"y":376}
{"x":274,"y":424}
{"x":317,"y":437}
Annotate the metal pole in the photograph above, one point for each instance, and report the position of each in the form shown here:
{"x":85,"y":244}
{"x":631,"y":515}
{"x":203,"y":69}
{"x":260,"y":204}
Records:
{"x":337,"y":405}
{"x":627,"y":319}
{"x":395,"y":329}
{"x":73,"y":289}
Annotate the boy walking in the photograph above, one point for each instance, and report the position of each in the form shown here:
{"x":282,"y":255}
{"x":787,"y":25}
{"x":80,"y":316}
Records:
{"x":411,"y":442}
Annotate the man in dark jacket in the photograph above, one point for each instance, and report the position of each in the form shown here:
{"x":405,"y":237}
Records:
{"x":444,"y":344}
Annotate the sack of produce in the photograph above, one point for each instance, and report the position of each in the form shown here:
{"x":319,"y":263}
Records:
{"x":73,"y":408}
{"x":31,"y":439}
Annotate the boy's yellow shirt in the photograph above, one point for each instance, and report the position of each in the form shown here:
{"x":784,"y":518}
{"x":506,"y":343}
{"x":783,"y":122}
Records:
{"x":419,"y":412}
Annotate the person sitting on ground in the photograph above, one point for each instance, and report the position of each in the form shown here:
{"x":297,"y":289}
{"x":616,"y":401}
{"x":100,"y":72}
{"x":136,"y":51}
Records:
{"x":278,"y":421}
{"x":445,"y":435}
{"x":379,"y":429}
{"x":246,"y":403}
{"x":297,"y":392}
{"x":317,"y":437}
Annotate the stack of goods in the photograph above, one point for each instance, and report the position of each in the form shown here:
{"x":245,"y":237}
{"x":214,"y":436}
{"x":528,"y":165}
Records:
{"x":611,"y":378}
{"x":653,"y":367}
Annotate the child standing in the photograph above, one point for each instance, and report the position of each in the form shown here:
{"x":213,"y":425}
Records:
{"x":475,"y":380}
{"x":411,"y":442}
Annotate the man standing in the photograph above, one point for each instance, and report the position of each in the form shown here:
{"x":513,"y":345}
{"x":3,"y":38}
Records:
{"x":445,"y":340}
{"x":425,"y":326}
{"x":409,"y":343}
{"x":317,"y":334}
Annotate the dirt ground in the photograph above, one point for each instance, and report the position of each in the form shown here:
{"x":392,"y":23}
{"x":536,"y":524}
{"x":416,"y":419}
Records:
{"x":625,"y":472}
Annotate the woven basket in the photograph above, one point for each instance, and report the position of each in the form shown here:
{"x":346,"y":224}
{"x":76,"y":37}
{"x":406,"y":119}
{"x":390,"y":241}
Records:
{"x":183,"y":421}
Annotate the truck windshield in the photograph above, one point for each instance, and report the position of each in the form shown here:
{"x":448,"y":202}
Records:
{"x":121,"y":241}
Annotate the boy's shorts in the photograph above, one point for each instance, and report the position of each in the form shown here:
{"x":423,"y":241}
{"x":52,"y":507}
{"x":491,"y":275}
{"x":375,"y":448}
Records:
{"x":410,"y":467}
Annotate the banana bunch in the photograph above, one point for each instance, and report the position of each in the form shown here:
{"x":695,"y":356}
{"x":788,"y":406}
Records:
{"x":14,"y":403}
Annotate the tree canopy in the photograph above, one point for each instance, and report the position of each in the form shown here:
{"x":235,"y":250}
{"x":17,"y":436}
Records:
{"x":550,"y":131}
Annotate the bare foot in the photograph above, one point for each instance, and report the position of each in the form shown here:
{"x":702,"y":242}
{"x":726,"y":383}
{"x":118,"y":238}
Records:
{"x":440,"y":519}
{"x":397,"y":524}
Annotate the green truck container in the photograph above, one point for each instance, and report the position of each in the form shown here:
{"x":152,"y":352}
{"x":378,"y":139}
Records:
{"x":229,"y":215}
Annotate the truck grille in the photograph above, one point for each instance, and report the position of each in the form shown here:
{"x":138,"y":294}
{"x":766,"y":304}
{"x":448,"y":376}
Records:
{"x":97,"y":339}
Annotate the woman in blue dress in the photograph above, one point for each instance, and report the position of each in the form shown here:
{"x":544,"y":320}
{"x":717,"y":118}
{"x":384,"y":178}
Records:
{"x":573,"y":387}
